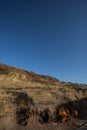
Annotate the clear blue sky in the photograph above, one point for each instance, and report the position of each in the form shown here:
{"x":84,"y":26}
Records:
{"x":45,"y":36}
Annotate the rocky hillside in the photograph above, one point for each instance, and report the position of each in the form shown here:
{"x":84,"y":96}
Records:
{"x":33,"y":101}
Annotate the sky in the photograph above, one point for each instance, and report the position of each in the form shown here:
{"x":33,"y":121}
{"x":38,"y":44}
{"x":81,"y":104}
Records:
{"x":45,"y":36}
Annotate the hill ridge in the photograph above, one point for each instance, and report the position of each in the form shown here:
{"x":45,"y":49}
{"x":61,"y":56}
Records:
{"x":32,"y":98}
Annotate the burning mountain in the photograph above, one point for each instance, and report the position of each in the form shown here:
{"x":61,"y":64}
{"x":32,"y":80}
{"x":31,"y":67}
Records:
{"x":32,"y":101}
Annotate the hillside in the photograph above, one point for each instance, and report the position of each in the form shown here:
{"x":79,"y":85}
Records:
{"x":32,"y":101}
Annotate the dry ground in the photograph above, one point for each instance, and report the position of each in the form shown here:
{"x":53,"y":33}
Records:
{"x":29,"y":101}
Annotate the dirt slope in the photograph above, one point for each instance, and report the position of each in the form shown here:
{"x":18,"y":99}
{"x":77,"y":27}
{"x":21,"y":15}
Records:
{"x":32,"y":101}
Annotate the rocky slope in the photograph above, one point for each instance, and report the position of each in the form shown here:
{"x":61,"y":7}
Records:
{"x":33,"y":101}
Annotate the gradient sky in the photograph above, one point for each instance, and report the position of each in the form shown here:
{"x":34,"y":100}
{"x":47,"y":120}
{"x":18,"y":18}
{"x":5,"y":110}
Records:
{"x":45,"y":36}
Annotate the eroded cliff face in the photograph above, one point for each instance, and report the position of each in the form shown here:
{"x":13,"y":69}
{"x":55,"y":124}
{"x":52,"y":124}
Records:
{"x":32,"y":101}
